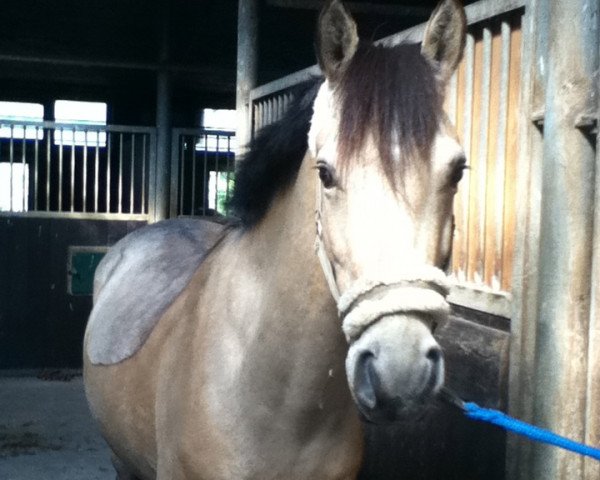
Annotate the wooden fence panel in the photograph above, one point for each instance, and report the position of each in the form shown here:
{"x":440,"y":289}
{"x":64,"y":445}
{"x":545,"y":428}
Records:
{"x":483,"y":103}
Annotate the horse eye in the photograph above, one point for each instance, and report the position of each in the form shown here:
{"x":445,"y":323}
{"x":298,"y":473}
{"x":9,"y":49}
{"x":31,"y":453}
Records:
{"x":326,"y":176}
{"x":458,"y":172}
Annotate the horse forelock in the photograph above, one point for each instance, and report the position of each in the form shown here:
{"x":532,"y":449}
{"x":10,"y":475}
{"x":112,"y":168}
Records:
{"x":391,"y":94}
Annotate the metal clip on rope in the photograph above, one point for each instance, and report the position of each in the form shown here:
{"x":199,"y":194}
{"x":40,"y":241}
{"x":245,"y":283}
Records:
{"x":500,"y":419}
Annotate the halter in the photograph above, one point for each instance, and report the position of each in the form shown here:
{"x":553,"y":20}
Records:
{"x":422,"y":289}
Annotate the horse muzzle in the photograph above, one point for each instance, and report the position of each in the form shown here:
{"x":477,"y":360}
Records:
{"x":394,"y":368}
{"x":394,"y":365}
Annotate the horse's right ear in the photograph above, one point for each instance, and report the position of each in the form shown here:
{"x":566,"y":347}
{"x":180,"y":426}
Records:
{"x":337,"y":39}
{"x":444,"y":38}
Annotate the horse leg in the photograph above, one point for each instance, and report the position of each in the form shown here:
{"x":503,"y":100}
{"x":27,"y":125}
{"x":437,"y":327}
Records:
{"x":122,"y":472}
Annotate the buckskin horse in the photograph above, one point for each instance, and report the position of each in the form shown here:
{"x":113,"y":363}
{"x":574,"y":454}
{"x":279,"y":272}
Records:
{"x":256,"y":350}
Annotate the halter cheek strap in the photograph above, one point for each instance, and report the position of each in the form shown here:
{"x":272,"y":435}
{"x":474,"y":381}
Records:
{"x":326,"y":265}
{"x":421,"y":290}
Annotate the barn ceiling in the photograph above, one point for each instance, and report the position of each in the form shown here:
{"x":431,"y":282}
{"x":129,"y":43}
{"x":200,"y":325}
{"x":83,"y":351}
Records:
{"x":74,"y":44}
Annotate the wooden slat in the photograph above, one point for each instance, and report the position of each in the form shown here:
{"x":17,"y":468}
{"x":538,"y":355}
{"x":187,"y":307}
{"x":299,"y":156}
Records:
{"x":512,"y":153}
{"x":475,"y":226}
{"x":494,"y":168}
{"x":461,"y":201}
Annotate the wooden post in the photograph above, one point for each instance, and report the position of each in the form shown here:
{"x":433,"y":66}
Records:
{"x":560,"y":379}
{"x":247,"y":63}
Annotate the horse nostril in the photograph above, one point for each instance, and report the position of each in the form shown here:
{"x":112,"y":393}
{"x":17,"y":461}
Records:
{"x":434,"y":354}
{"x":366,"y":380}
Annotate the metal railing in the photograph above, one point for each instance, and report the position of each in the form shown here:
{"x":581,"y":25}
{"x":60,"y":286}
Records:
{"x":58,"y":169}
{"x":202,"y":171}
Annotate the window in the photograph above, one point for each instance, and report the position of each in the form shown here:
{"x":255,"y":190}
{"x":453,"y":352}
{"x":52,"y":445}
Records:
{"x":80,"y":113}
{"x":218,"y":190}
{"x":220,"y":120}
{"x":13,"y":198}
{"x":15,"y":112}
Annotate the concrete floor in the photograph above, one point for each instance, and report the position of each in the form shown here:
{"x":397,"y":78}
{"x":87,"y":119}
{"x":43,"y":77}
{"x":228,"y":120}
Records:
{"x":46,"y":432}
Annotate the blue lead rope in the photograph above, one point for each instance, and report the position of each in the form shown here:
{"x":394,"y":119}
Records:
{"x":495,"y":417}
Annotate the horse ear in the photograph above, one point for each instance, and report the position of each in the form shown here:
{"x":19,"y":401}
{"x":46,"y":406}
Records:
{"x":444,"y":38}
{"x":337,"y":39}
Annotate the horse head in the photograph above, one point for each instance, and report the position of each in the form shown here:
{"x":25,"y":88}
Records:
{"x":388,"y":163}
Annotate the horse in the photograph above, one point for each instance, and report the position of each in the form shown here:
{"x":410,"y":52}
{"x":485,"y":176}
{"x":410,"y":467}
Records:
{"x":258,"y":349}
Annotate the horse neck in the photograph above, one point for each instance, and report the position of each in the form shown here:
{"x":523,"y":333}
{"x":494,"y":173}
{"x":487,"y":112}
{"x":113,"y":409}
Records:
{"x":298,"y":325}
{"x":283,"y":246}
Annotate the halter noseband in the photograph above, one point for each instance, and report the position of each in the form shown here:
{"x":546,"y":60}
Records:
{"x":420,"y":290}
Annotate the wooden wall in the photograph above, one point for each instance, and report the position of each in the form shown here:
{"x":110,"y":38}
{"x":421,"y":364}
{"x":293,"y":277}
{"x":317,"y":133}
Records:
{"x":482,"y":101}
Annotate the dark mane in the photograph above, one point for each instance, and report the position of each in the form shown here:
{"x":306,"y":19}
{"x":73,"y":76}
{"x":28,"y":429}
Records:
{"x":389,"y":92}
{"x":393,"y":91}
{"x":274,"y":157}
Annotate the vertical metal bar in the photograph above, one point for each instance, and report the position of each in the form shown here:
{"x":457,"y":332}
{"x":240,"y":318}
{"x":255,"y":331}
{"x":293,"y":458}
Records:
{"x":194,"y":175}
{"x":72,"y":199}
{"x":228,"y":168}
{"x":274,"y":109}
{"x":152,"y":167}
{"x":96,"y":171}
{"x":120,"y":206}
{"x":256,"y":119}
{"x":483,"y":147}
{"x":85,"y":161}
{"x":23,"y":163}
{"x":205,"y":177}
{"x":182,"y":145}
{"x":264,"y":113}
{"x":49,"y":133}
{"x":252,"y":120}
{"x":108,"y":155}
{"x":145,"y":140}
{"x":217,"y":159}
{"x":60,"y":168}
{"x":11,"y":153}
{"x":131,"y":173}
{"x":36,"y":169}
{"x":278,"y":106}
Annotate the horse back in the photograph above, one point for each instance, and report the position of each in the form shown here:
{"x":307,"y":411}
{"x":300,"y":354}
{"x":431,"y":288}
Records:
{"x":139,"y":279}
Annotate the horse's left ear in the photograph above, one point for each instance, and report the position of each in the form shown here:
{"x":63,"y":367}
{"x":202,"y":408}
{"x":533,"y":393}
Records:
{"x":444,"y":38}
{"x":337,"y":39}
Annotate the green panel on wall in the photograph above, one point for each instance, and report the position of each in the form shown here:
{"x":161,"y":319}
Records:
{"x":82,"y":267}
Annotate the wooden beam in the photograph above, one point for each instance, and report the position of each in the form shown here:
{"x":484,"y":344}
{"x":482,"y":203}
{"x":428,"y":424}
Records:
{"x":355,"y":7}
